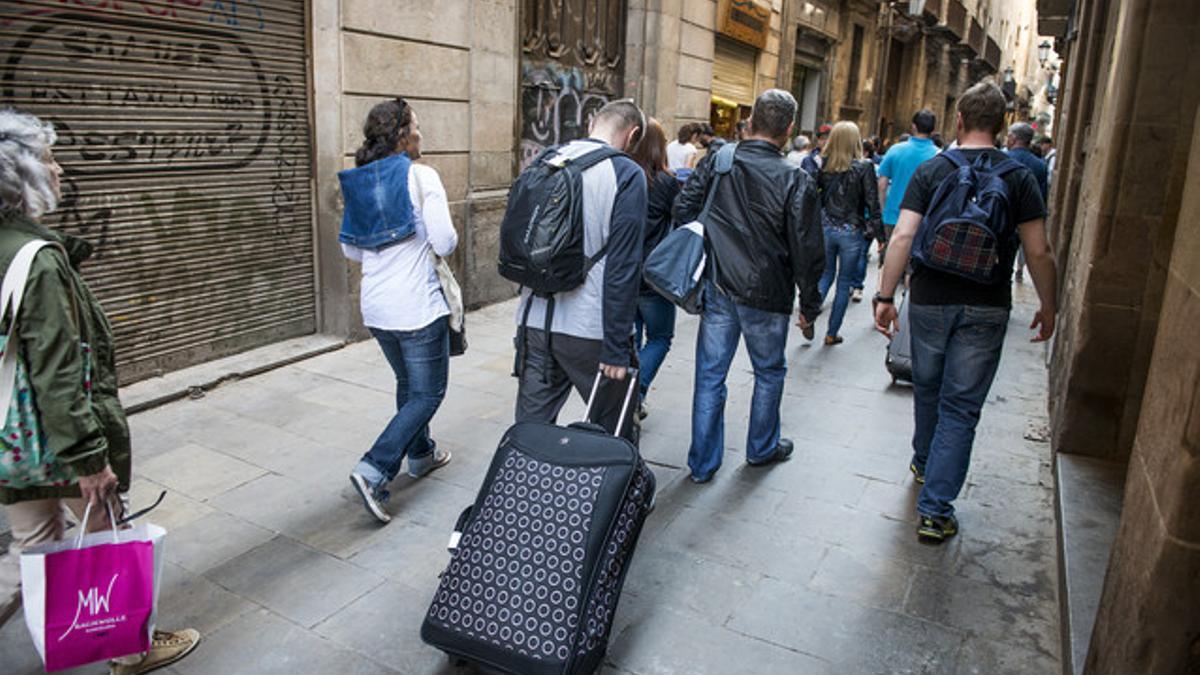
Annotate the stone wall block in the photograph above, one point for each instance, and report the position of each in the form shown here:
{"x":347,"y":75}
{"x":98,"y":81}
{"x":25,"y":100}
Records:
{"x":1170,"y":409}
{"x":485,"y":285}
{"x":492,"y":126}
{"x":444,"y":124}
{"x":493,"y":78}
{"x":768,"y":63}
{"x":458,"y":259}
{"x":495,"y":27}
{"x":692,"y":104}
{"x":1148,"y":622}
{"x":696,"y":41}
{"x":1104,"y":345}
{"x":1143,"y":190}
{"x":492,"y":170}
{"x":442,"y":22}
{"x":453,"y":171}
{"x":694,"y":72}
{"x":385,"y":67}
{"x":703,"y":13}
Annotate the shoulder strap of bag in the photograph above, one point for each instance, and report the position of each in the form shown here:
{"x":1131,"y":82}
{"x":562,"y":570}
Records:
{"x":450,"y":288}
{"x":587,"y":160}
{"x":12,"y":291}
{"x":956,"y":157}
{"x":722,"y":165}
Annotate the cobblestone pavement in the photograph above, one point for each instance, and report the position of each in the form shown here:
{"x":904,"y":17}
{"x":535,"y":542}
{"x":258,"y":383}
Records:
{"x":808,"y":567}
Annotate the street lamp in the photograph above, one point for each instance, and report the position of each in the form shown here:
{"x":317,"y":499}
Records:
{"x":1044,"y":52}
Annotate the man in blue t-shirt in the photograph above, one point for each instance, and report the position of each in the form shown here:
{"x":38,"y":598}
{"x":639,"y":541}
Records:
{"x":1018,"y":142}
{"x":899,"y":164}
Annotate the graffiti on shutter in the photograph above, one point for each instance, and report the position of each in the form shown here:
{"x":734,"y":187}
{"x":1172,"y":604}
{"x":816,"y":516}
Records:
{"x":571,"y":64}
{"x":183,"y":135}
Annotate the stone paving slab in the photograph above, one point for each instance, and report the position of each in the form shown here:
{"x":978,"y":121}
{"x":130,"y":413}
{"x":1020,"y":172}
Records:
{"x":806,"y":567}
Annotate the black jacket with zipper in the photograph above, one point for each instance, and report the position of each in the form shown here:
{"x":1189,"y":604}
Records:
{"x":853,"y":197}
{"x":763,"y":229}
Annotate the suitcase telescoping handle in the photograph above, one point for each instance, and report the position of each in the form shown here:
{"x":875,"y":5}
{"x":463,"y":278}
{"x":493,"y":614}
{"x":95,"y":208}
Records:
{"x":631,"y":378}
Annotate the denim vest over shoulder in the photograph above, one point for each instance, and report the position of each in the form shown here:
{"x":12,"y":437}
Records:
{"x":88,"y":436}
{"x":378,"y":210}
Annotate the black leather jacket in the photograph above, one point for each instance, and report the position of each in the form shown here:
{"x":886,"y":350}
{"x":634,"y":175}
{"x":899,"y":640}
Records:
{"x":853,"y":197}
{"x":763,"y":231}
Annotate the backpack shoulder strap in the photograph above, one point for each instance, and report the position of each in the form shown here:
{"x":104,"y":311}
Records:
{"x":592,"y":158}
{"x":1006,"y":165}
{"x":956,"y":157}
{"x":546,"y":153}
{"x":723,"y":162}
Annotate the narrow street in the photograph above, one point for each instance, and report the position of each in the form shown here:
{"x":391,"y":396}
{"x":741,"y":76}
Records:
{"x":807,"y":567}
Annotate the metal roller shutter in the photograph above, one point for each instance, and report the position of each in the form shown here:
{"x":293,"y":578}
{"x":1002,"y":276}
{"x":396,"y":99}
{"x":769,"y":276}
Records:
{"x":733,"y":71}
{"x":183,"y":132}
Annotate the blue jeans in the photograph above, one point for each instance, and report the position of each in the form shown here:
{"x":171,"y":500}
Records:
{"x":955,"y":353}
{"x":656,"y":325}
{"x":860,"y":274}
{"x":421,"y":361}
{"x":721,"y":324}
{"x":844,"y":247}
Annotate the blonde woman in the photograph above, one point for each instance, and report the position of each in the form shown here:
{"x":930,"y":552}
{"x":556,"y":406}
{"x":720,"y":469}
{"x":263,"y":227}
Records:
{"x":849,"y":216}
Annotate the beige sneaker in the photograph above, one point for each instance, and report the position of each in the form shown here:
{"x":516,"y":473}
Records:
{"x":166,"y":648}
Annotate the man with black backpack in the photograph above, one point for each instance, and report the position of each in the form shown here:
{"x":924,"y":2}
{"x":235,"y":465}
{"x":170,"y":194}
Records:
{"x":962,"y":217}
{"x":572,"y":237}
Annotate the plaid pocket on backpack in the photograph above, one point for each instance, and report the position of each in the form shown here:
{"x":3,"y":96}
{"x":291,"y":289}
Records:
{"x":965,"y":248}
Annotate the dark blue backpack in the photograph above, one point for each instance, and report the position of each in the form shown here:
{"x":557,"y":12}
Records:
{"x":968,"y":227}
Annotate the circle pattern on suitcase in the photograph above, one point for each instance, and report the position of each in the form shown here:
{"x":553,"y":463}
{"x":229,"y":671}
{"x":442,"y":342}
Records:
{"x":517,"y":577}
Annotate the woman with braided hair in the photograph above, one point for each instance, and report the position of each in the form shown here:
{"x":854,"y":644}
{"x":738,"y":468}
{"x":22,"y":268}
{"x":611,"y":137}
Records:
{"x":396,"y":213}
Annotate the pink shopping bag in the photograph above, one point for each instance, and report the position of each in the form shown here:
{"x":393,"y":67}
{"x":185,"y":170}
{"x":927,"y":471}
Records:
{"x":92,"y":598}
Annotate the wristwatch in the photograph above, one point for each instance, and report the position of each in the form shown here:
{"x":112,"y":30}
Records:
{"x":887,"y":300}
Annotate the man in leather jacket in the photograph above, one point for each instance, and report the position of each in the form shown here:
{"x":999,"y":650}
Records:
{"x":764,"y":241}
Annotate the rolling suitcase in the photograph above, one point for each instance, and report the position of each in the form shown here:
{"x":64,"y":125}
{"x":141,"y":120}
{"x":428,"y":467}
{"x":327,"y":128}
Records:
{"x":538,"y":561}
{"x":899,"y":349}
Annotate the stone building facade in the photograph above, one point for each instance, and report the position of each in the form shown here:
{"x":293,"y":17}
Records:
{"x":1125,"y":371}
{"x":877,"y":64}
{"x":212,"y":193}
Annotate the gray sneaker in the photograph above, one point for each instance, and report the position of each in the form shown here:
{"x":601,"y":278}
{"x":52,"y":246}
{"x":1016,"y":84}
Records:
{"x":371,"y":498}
{"x":422,"y":466}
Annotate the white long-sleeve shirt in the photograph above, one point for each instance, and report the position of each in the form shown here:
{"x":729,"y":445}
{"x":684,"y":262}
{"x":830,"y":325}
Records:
{"x":400,"y":289}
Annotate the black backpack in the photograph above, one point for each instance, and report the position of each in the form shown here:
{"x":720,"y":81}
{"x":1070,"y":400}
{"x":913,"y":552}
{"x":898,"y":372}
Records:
{"x":541,"y":236}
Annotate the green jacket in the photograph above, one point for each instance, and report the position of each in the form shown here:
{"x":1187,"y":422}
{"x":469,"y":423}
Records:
{"x":87,"y":436}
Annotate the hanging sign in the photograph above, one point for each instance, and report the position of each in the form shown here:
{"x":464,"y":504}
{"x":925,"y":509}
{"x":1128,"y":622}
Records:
{"x":745,"y":21}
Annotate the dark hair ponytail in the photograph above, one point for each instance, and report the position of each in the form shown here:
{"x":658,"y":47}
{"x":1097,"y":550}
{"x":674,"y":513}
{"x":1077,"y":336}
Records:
{"x":387,"y":124}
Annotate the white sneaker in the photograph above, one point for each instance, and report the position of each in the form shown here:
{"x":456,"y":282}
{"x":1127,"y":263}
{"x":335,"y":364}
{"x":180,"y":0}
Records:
{"x":856,"y":295}
{"x":370,"y":498}
{"x":424,"y":465}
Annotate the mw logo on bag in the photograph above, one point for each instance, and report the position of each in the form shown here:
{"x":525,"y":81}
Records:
{"x":95,"y":603}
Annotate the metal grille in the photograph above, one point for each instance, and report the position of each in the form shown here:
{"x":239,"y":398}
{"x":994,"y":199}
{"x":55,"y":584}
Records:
{"x":733,"y":71}
{"x":184,"y":136}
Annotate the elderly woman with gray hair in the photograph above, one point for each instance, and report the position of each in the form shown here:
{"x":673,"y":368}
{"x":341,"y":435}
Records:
{"x":85,"y":455}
